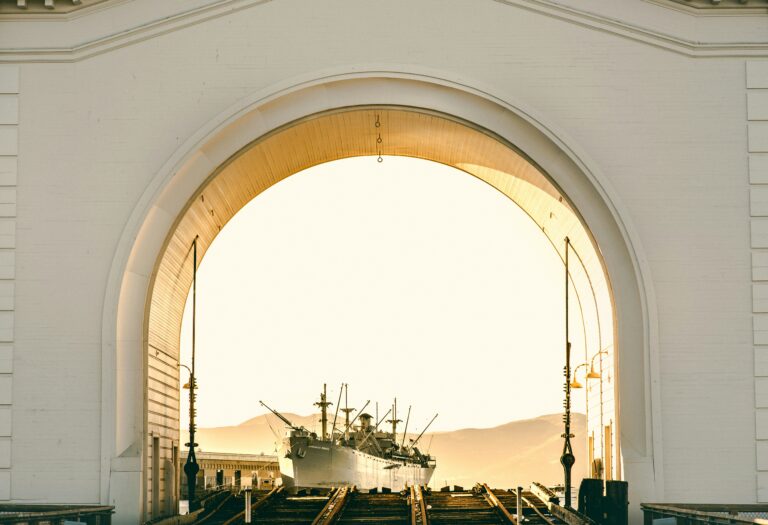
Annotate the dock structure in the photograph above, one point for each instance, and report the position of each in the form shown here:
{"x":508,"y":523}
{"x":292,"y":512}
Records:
{"x":414,"y":506}
{"x":222,"y":469}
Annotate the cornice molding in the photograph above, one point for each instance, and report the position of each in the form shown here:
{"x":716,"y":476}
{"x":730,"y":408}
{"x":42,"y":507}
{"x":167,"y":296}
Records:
{"x":715,"y":9}
{"x":57,"y":8}
{"x":550,"y":8}
{"x":45,"y":8}
{"x":721,"y":4}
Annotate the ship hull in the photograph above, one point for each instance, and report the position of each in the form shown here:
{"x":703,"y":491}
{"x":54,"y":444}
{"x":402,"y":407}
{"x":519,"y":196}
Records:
{"x":326,"y":465}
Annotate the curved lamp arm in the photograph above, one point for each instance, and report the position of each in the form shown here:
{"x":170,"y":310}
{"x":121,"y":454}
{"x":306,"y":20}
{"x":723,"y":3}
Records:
{"x":592,"y":374}
{"x":574,"y":382}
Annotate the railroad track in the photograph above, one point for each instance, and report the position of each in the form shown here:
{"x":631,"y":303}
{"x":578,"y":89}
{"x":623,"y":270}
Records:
{"x":484,"y":505}
{"x":416,"y":506}
{"x":459,"y":507}
{"x":228,"y":507}
{"x":535,"y":511}
{"x":381,"y":509}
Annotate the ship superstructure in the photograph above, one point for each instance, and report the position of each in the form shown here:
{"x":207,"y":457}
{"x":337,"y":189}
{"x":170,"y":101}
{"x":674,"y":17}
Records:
{"x":355,"y":453}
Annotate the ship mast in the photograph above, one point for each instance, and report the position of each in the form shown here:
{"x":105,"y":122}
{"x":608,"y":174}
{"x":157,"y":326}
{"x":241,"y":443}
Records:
{"x":336,"y":415}
{"x":323,"y":404}
{"x":346,"y":411}
{"x":394,"y":422}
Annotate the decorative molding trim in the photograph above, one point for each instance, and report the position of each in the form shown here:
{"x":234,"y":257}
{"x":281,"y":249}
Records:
{"x":708,"y":8}
{"x":721,"y":5}
{"x":550,"y":8}
{"x":692,"y":48}
{"x":57,"y":8}
{"x":9,"y":126}
{"x":757,"y":151}
{"x":44,"y":7}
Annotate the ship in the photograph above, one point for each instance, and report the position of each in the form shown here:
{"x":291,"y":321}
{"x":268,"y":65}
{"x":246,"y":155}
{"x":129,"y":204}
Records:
{"x":355,"y":453}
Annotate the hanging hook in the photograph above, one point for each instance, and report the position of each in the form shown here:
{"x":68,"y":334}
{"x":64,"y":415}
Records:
{"x":377,"y":124}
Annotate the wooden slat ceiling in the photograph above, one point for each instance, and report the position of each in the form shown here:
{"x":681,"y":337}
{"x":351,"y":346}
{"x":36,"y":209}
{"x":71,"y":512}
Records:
{"x":352,"y":132}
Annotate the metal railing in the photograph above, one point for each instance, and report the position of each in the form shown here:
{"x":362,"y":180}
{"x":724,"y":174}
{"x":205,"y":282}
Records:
{"x":55,"y":514}
{"x":694,"y":514}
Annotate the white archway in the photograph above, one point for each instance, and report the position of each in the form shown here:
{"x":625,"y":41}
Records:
{"x":174,"y":190}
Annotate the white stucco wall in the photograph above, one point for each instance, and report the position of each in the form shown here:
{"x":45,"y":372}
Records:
{"x":664,"y":121}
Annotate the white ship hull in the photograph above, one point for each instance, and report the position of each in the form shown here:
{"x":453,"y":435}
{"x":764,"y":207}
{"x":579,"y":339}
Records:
{"x":323,"y":466}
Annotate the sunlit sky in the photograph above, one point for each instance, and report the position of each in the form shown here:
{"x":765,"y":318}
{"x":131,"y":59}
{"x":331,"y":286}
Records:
{"x":404,"y":278}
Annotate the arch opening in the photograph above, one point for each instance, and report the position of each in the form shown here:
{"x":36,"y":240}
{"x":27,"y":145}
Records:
{"x":378,"y":130}
{"x":173,"y":195}
{"x":352,"y":268}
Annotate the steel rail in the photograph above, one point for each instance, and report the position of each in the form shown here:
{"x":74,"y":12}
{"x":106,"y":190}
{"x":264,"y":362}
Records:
{"x":564,"y":514}
{"x":330,"y":513}
{"x":537,"y":511}
{"x":545,"y":495}
{"x":213,"y":512}
{"x":418,"y":507}
{"x":495,"y":502}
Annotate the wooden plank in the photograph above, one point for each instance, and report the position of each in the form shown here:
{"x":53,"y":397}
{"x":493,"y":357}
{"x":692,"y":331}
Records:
{"x":162,"y":386}
{"x":163,"y":411}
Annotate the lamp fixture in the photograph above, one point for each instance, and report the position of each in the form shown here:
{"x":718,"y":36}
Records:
{"x":575,"y":382}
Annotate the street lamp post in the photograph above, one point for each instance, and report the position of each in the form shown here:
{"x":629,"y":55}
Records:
{"x":567,"y":459}
{"x":191,"y":468}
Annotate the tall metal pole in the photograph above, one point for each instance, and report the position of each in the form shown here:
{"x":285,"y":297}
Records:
{"x":338,"y":404}
{"x":567,"y":459}
{"x":191,"y":468}
{"x":405,"y":432}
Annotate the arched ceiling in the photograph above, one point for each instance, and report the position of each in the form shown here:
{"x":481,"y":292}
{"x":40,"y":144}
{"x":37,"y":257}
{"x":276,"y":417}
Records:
{"x":353,"y":132}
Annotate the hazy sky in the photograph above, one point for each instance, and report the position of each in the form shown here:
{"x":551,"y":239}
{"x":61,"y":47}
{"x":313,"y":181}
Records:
{"x":404,"y":278}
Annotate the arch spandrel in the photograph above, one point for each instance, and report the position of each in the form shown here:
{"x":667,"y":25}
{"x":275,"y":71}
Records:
{"x":144,"y":267}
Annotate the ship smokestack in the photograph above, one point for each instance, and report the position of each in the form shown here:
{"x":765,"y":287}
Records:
{"x":365,"y":422}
